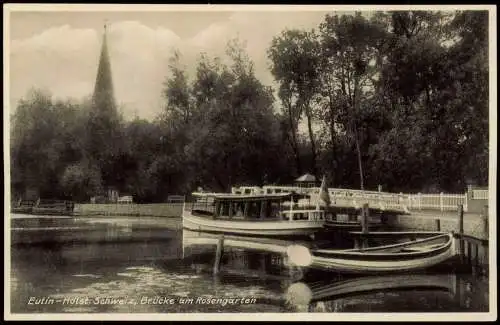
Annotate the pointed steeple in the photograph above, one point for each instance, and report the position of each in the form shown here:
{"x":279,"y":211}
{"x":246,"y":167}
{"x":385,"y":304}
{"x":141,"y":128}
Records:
{"x":103,"y":123}
{"x":103,"y":98}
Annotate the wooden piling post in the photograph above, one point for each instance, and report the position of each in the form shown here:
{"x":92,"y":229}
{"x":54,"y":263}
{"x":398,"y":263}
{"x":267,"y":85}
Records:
{"x":476,"y":254}
{"x":438,"y":225}
{"x":461,"y":219}
{"x":461,"y":230}
{"x":365,"y":213}
{"x":469,"y":253}
{"x":364,"y":218}
{"x":218,"y":255}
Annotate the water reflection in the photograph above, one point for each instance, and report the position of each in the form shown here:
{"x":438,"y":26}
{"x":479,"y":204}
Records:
{"x":395,"y":293}
{"x":151,"y":257}
{"x":251,"y":257}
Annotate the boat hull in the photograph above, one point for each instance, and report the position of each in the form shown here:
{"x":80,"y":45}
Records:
{"x":377,"y":267}
{"x":384,"y":259}
{"x":348,"y":225}
{"x":251,"y":228}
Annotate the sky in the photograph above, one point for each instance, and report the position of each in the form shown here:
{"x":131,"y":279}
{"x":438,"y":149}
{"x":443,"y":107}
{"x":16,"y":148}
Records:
{"x":58,"y":51}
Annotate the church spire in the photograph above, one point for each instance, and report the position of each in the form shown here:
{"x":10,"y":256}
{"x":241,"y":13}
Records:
{"x":103,"y":97}
{"x":104,"y":121}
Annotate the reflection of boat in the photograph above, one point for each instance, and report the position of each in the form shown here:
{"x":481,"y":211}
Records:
{"x":428,"y":250}
{"x":253,"y":214}
{"x":192,"y":238}
{"x":301,"y":294}
{"x":251,"y":257}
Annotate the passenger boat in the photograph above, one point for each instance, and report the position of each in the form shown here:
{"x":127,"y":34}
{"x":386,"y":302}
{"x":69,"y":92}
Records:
{"x":252,"y":214}
{"x":303,"y":294}
{"x":427,"y":250}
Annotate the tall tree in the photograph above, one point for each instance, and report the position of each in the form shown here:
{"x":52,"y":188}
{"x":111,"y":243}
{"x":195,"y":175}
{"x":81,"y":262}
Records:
{"x":350,"y":48}
{"x":295,"y":57}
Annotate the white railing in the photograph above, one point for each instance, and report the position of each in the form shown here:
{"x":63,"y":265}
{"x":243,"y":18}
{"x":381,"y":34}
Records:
{"x":480,"y":194}
{"x":441,"y":201}
{"x":382,"y":200}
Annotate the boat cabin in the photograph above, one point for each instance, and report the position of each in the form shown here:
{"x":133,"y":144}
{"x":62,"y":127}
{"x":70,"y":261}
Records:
{"x":278,"y":206}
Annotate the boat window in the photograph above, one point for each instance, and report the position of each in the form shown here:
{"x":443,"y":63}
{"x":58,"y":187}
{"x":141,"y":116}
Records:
{"x":253,"y":210}
{"x":239,"y":208}
{"x":248,"y":191}
{"x":278,"y":190}
{"x":275,"y":210}
{"x":224,"y":209}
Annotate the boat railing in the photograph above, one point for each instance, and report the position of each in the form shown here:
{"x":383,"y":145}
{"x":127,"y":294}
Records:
{"x":302,"y":214}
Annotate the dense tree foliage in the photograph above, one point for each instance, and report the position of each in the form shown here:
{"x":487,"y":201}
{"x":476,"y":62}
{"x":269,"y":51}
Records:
{"x":398,"y":99}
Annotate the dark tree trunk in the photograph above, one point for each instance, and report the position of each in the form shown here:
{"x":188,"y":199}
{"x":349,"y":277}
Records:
{"x":313,"y":142}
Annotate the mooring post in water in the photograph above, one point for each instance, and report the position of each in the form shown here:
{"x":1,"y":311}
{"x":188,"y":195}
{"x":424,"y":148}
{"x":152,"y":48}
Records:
{"x":438,"y":225}
{"x":364,"y":218}
{"x":365,"y":213}
{"x":469,"y":252}
{"x":476,"y":254}
{"x":218,"y":255}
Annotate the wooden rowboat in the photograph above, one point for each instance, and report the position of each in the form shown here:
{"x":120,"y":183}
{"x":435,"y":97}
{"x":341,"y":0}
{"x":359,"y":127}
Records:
{"x":428,"y":250}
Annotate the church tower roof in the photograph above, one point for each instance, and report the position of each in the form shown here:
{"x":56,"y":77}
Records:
{"x":103,"y":96}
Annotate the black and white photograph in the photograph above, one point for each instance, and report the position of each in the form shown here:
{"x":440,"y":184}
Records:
{"x":236,"y":162}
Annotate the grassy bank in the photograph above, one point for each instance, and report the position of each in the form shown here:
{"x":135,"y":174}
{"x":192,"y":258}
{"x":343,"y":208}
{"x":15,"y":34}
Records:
{"x":150,"y":210}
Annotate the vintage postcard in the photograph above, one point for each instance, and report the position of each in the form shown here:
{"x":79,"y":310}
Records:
{"x":227,"y":162}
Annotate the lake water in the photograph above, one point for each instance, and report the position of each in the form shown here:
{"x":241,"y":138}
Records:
{"x":148,"y":265}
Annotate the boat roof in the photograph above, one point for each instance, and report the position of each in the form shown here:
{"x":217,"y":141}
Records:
{"x":246,"y":197}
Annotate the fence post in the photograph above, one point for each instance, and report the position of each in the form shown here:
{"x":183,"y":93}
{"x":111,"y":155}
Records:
{"x":466,"y":200}
{"x":441,"y":201}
